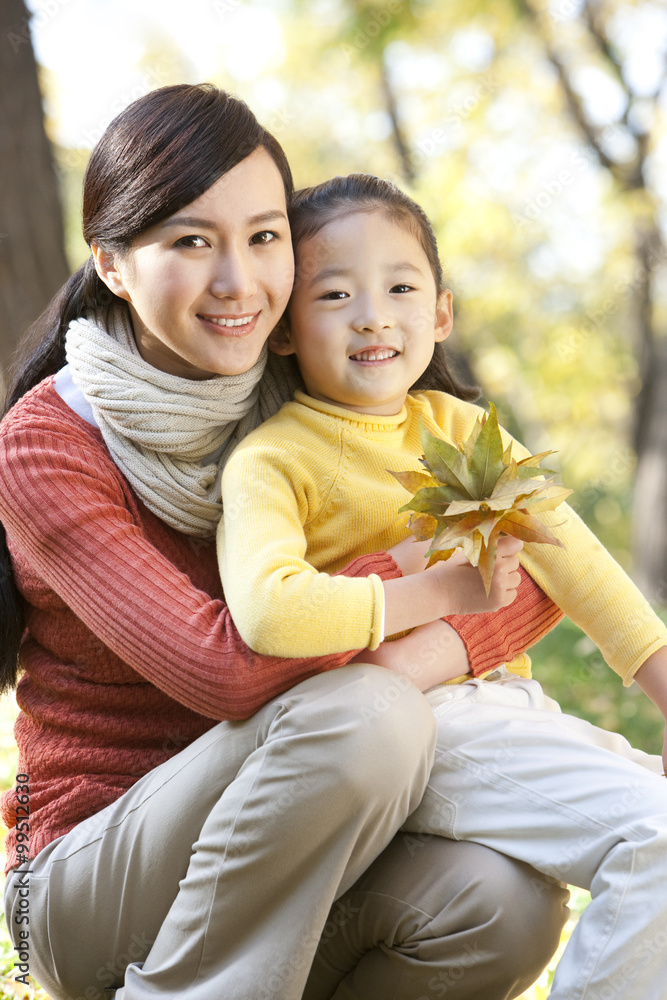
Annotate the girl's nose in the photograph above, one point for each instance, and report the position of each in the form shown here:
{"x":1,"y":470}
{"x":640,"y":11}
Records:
{"x":234,"y":277}
{"x":372,"y":316}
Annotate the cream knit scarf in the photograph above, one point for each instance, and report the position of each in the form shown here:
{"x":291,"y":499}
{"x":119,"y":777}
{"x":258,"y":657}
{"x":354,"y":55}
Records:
{"x":170,"y":436}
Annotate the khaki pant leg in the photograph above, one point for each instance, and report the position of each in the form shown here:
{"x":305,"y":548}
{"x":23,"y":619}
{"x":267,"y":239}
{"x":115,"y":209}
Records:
{"x":436,"y":918}
{"x":213,"y":876}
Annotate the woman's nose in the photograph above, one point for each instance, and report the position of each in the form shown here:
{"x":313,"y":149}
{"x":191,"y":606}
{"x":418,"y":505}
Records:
{"x":234,"y":277}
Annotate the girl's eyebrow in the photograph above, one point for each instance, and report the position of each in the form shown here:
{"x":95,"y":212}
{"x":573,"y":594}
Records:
{"x":330,"y":272}
{"x":346,"y":272}
{"x":199,"y":223}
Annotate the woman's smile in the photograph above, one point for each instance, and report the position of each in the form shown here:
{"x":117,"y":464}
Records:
{"x":230,"y":325}
{"x":206,"y":286}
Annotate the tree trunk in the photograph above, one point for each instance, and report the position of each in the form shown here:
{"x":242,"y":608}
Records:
{"x":32,"y":255}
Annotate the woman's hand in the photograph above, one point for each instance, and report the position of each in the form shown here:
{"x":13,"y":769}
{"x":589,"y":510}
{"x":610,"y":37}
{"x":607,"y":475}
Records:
{"x":429,"y":655}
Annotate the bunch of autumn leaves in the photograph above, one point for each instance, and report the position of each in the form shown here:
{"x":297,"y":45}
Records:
{"x":471,"y":495}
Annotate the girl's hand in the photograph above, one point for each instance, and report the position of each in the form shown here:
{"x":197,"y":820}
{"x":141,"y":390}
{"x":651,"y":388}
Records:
{"x":464,"y":586}
{"x":429,"y":655}
{"x":453,"y":587}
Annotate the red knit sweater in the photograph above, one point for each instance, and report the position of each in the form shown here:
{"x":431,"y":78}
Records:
{"x":130,"y":652}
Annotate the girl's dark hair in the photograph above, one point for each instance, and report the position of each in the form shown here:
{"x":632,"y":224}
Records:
{"x":159,"y":154}
{"x":313,"y":208}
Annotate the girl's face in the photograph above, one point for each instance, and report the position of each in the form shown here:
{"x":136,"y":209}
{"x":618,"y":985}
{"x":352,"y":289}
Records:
{"x":364,"y":314}
{"x":207,"y":285}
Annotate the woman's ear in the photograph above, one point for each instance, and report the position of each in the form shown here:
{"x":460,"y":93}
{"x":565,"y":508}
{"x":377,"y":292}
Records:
{"x":444,"y":316}
{"x":279,"y":339}
{"x":107,"y":269}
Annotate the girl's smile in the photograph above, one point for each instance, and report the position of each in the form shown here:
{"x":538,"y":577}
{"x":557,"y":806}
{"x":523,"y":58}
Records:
{"x":364,"y":315}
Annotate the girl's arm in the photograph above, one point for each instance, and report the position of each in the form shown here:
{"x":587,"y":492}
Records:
{"x":282,"y":604}
{"x":468,"y":644}
{"x":652,"y":679}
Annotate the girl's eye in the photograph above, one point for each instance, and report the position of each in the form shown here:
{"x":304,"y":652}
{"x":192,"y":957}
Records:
{"x":331,"y":296}
{"x":266,"y":236}
{"x":191,"y":242}
{"x":402,"y":288}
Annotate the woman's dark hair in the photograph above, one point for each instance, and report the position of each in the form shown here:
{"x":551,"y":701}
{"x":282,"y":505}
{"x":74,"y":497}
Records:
{"x":312,"y":208}
{"x":157,"y":156}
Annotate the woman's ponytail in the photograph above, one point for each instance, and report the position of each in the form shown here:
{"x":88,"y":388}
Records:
{"x":42,"y":353}
{"x":42,"y":350}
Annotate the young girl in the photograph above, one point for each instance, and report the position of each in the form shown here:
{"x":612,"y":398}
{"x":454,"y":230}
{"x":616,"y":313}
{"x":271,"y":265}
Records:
{"x":511,"y":771}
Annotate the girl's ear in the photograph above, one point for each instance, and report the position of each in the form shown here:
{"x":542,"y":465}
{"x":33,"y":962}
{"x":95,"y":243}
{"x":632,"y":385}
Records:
{"x":279,"y":339}
{"x":444,"y":316}
{"x":107,"y":270}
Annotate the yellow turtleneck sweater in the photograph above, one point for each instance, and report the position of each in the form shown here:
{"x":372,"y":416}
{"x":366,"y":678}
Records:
{"x":308,"y":491}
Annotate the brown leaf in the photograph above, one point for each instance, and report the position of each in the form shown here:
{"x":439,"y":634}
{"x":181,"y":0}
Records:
{"x":413,"y":481}
{"x":521,"y":525}
{"x":422,"y":526}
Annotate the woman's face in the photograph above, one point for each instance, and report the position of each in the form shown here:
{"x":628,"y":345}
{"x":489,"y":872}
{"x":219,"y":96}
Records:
{"x":207,"y":285}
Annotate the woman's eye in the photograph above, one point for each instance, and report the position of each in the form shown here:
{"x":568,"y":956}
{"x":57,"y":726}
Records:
{"x":266,"y":236}
{"x":191,"y":242}
{"x":335,"y":295}
{"x":402,"y":288}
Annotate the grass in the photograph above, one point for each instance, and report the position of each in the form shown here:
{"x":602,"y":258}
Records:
{"x":11,"y":990}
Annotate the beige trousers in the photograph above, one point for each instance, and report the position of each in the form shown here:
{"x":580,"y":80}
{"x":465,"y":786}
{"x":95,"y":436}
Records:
{"x":214,"y":876}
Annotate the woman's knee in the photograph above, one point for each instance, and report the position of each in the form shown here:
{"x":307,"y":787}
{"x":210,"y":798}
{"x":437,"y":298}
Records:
{"x":524,"y":915}
{"x":378,"y":729}
{"x":391,"y":738}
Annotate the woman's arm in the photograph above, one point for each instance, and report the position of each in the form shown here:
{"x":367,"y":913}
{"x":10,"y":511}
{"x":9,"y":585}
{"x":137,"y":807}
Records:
{"x":468,"y":644}
{"x":68,"y":519}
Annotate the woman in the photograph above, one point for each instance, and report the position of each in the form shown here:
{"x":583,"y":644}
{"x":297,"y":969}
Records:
{"x":165,"y":852}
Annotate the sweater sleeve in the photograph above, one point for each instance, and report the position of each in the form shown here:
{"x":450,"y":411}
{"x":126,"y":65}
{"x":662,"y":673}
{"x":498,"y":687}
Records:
{"x":593,"y":590}
{"x":279,"y":602}
{"x":67,"y":517}
{"x":582,"y":578}
{"x":501,"y":636}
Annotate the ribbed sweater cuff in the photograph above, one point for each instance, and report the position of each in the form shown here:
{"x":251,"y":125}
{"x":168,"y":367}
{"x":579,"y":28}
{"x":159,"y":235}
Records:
{"x":497,"y":637}
{"x":380,"y":563}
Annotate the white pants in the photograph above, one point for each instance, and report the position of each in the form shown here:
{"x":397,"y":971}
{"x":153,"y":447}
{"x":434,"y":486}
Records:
{"x":575,"y":802}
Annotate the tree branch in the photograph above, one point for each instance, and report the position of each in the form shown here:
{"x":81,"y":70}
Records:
{"x":629,"y":179}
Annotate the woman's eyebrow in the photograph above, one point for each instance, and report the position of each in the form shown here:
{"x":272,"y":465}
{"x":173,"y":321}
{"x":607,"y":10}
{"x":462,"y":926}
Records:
{"x":199,"y":223}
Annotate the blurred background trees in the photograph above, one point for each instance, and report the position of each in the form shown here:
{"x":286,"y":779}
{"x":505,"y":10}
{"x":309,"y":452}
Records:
{"x":534,"y":132}
{"x":33,"y":265}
